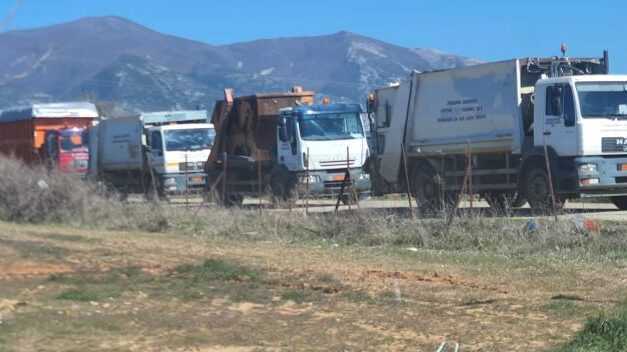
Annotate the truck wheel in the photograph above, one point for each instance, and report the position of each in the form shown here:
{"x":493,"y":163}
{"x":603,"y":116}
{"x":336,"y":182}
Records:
{"x":426,"y":190}
{"x":349,"y":199}
{"x":225,"y":199}
{"x":519,"y":200}
{"x":620,"y":202}
{"x":152,"y":195}
{"x":538,"y":191}
{"x":233,"y":200}
{"x":501,"y":203}
{"x":228,"y":200}
{"x":283,"y":186}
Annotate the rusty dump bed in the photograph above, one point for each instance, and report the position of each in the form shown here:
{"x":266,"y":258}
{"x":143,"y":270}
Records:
{"x":246,"y":126}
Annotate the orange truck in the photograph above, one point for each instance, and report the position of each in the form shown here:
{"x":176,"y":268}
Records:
{"x":52,"y":134}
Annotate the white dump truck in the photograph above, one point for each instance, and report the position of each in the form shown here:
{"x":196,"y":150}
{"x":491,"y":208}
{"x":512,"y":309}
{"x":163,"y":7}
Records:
{"x":163,"y":150}
{"x":286,"y":145}
{"x":510,"y":119}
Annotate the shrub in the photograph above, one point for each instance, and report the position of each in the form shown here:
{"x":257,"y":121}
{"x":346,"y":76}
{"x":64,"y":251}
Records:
{"x":38,"y":195}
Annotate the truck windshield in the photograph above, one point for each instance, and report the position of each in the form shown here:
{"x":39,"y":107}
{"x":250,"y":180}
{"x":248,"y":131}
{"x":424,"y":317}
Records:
{"x":72,"y":139}
{"x":328,"y":126}
{"x":189,"y":139}
{"x":603,"y":100}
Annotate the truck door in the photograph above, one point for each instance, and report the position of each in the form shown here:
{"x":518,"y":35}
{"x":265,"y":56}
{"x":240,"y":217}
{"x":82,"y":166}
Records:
{"x":390,"y":115}
{"x":560,"y":120}
{"x":51,"y":148}
{"x":288,"y":143}
{"x":156,"y":152}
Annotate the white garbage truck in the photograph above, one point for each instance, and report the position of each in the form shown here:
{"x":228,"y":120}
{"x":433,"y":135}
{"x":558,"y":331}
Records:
{"x":541,"y":130}
{"x":162,"y":151}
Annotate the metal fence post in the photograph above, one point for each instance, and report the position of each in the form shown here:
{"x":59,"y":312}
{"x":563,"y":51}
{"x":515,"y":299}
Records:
{"x":224,"y":179}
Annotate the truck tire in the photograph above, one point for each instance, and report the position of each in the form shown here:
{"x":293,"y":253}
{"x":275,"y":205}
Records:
{"x":228,"y":200}
{"x":283,"y":186}
{"x":519,"y":201}
{"x":426,"y":188}
{"x":538,"y":191}
{"x":223,"y":198}
{"x":233,"y":200}
{"x":620,"y":202}
{"x":503,"y":203}
{"x":153,"y":195}
{"x":350,"y":198}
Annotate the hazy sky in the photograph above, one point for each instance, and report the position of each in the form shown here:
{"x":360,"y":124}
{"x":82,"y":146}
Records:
{"x":484,"y":29}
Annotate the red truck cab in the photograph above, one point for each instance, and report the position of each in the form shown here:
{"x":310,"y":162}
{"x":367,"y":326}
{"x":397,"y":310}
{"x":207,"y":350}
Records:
{"x":68,"y":149}
{"x":52,"y":134}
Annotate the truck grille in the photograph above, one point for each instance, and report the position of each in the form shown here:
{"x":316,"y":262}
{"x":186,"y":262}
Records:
{"x":613,"y":145}
{"x":337,"y":163}
{"x":192,"y":166}
{"x":79,"y":164}
{"x":337,"y":184}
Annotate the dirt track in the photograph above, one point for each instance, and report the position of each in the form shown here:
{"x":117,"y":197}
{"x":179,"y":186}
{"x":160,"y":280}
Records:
{"x":587,"y":209}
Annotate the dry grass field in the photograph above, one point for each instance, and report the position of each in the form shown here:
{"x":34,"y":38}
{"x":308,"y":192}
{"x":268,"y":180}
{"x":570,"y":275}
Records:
{"x":76,"y":289}
{"x":81,"y":271}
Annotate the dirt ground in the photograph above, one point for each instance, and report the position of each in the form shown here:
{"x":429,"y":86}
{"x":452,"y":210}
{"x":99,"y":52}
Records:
{"x":64,"y":289}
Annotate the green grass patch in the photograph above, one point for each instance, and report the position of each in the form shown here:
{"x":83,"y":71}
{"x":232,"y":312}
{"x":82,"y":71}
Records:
{"x":68,"y":238}
{"x":213,"y":278}
{"x":297,"y":296}
{"x":604,"y":333}
{"x":358,"y":297}
{"x":213,"y":269}
{"x":99,"y":286}
{"x":85,"y":295}
{"x":35,"y":249}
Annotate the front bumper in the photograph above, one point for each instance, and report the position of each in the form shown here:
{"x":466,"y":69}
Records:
{"x":330,"y":182}
{"x":612,"y":181}
{"x":179,"y":183}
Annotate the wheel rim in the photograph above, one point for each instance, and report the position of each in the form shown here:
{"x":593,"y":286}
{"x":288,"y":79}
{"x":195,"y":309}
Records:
{"x":538,"y":191}
{"x":538,"y":188}
{"x":426,"y":192}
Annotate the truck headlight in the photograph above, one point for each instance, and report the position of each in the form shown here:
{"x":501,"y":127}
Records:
{"x":589,"y":181}
{"x":169,"y":181}
{"x":310,"y":179}
{"x":588,"y":169}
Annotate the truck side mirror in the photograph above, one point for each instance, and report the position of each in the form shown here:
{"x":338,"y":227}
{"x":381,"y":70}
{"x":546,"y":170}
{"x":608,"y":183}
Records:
{"x":283,"y":130}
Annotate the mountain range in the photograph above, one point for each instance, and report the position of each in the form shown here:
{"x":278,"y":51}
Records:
{"x":132,"y":68}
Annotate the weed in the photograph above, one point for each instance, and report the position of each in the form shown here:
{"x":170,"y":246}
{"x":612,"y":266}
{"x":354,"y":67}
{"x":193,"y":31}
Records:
{"x":607,"y":332}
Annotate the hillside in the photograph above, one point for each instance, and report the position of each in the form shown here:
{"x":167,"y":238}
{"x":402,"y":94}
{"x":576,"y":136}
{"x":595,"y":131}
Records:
{"x":115,"y":60}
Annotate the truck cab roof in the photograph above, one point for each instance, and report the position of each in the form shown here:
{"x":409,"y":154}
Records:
{"x":51,"y":110}
{"x":323,"y":108}
{"x":171,"y":117}
{"x":584,"y":78}
{"x":179,"y":126}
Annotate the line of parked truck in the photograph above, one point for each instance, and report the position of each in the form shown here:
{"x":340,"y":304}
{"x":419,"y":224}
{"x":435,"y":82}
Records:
{"x":536,"y":130}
